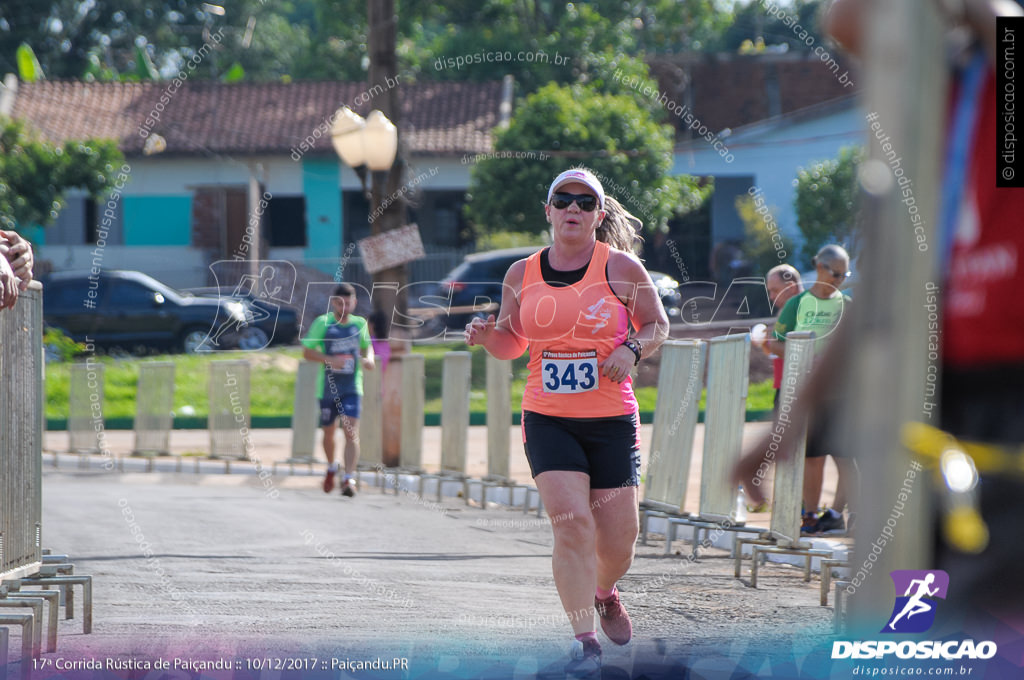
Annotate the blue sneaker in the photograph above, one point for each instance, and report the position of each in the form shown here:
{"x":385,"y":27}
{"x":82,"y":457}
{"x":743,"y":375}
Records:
{"x":830,"y":520}
{"x":808,"y":524}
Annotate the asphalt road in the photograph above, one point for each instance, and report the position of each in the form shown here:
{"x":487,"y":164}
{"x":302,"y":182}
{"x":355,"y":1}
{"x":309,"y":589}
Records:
{"x":266,"y":578}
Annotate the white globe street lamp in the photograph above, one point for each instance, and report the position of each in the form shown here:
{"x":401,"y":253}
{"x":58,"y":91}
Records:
{"x":347,"y":137}
{"x":364,"y":143}
{"x":380,"y":137}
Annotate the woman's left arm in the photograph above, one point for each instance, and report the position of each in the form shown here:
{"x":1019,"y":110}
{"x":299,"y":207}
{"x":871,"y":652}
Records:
{"x":631,"y":282}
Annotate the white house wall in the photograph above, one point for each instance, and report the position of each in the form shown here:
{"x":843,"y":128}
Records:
{"x":156,"y":176}
{"x":433,"y":173}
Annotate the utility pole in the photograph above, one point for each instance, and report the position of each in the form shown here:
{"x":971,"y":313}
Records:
{"x":905,"y":75}
{"x":383,"y":32}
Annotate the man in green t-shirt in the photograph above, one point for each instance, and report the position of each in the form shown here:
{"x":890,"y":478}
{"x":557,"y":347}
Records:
{"x":341,"y":341}
{"x":820,"y":309}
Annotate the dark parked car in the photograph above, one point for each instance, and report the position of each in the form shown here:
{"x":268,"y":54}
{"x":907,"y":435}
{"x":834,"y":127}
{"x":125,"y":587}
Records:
{"x":474,"y":289}
{"x":134,"y":311}
{"x":272,"y":324}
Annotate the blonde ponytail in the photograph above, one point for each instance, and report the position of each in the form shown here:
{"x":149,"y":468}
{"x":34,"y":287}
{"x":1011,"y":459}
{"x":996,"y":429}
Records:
{"x":619,"y":229}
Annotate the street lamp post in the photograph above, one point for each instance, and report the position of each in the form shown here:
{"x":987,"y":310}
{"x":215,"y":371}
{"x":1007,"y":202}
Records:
{"x":363,"y":144}
{"x":370,"y":146}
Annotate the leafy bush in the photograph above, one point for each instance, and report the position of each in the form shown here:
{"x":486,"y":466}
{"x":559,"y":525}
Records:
{"x":568,"y":126}
{"x":496,"y":240}
{"x":59,"y":347}
{"x":759,"y":225}
{"x":826,"y":203}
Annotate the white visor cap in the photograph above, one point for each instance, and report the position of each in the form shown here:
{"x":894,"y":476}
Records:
{"x":583,"y":177}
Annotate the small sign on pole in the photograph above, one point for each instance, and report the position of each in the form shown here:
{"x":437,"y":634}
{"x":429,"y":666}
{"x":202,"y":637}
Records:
{"x":392,"y":248}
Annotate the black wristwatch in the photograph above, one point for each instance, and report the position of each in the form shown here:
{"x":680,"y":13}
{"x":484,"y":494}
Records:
{"x":635,"y":347}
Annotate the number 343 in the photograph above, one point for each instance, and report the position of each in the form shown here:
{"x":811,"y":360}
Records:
{"x":569,"y":377}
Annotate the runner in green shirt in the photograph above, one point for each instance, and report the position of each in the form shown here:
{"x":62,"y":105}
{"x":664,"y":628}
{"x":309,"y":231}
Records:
{"x":341,"y":342}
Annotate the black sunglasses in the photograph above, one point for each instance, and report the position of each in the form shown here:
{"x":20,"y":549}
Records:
{"x":562,"y":200}
{"x":837,"y":275}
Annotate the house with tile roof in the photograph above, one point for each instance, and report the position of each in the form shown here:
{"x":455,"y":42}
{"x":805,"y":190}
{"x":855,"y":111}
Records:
{"x":193,"y":153}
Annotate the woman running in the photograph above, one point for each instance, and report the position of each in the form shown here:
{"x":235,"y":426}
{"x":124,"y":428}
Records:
{"x":572,"y":304}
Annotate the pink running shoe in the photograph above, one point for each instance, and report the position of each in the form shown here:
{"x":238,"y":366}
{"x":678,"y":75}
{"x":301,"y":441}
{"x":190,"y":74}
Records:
{"x":614,"y":620}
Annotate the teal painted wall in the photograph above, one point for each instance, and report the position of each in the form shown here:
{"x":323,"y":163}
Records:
{"x":35,"y":234}
{"x":157,"y":220}
{"x":320,"y":184}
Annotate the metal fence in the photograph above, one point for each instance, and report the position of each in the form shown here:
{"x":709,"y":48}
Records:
{"x":21,"y":434}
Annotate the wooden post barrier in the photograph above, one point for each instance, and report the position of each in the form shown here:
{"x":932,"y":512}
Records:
{"x":85,"y":407}
{"x":305,"y":417}
{"x":371,"y":423}
{"x":787,"y":491}
{"x":154,"y":408}
{"x":229,"y":409}
{"x":680,"y":379}
{"x":21,"y":435}
{"x":455,"y":412}
{"x":724,"y":419}
{"x":413,"y":405}
{"x":455,"y":386}
{"x":499,"y":422}
{"x":499,"y":417}
{"x":885,"y":377}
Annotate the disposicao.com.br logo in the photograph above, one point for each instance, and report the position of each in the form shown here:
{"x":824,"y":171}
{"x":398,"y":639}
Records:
{"x":916,"y":594}
{"x":917,"y":599}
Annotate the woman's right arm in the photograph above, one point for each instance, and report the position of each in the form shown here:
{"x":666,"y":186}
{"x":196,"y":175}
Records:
{"x":503,"y":337}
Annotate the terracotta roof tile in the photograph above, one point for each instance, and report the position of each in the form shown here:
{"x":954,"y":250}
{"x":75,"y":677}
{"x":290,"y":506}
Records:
{"x":250,"y":118}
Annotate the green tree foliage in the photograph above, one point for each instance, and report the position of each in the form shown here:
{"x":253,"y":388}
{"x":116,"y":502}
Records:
{"x":29,"y":68}
{"x":613,"y":73}
{"x":826,"y":203}
{"x":72,"y":38}
{"x":759,"y":225}
{"x":141,"y":39}
{"x":562,"y":42}
{"x":673,"y":26}
{"x":286,"y":41}
{"x":35,"y":175}
{"x":568,"y":126}
{"x":497,"y":240}
{"x":534,"y":41}
{"x":327,"y":39}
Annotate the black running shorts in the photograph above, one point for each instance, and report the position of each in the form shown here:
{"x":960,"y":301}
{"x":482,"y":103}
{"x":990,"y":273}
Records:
{"x":607,"y":449}
{"x":819,"y":437}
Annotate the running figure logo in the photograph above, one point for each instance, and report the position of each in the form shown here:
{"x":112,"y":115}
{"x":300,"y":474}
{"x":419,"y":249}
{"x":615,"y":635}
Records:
{"x":597,"y":313}
{"x":914,"y":611}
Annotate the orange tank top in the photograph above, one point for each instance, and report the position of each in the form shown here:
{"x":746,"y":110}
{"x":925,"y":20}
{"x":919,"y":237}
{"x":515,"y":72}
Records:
{"x":571,"y":331}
